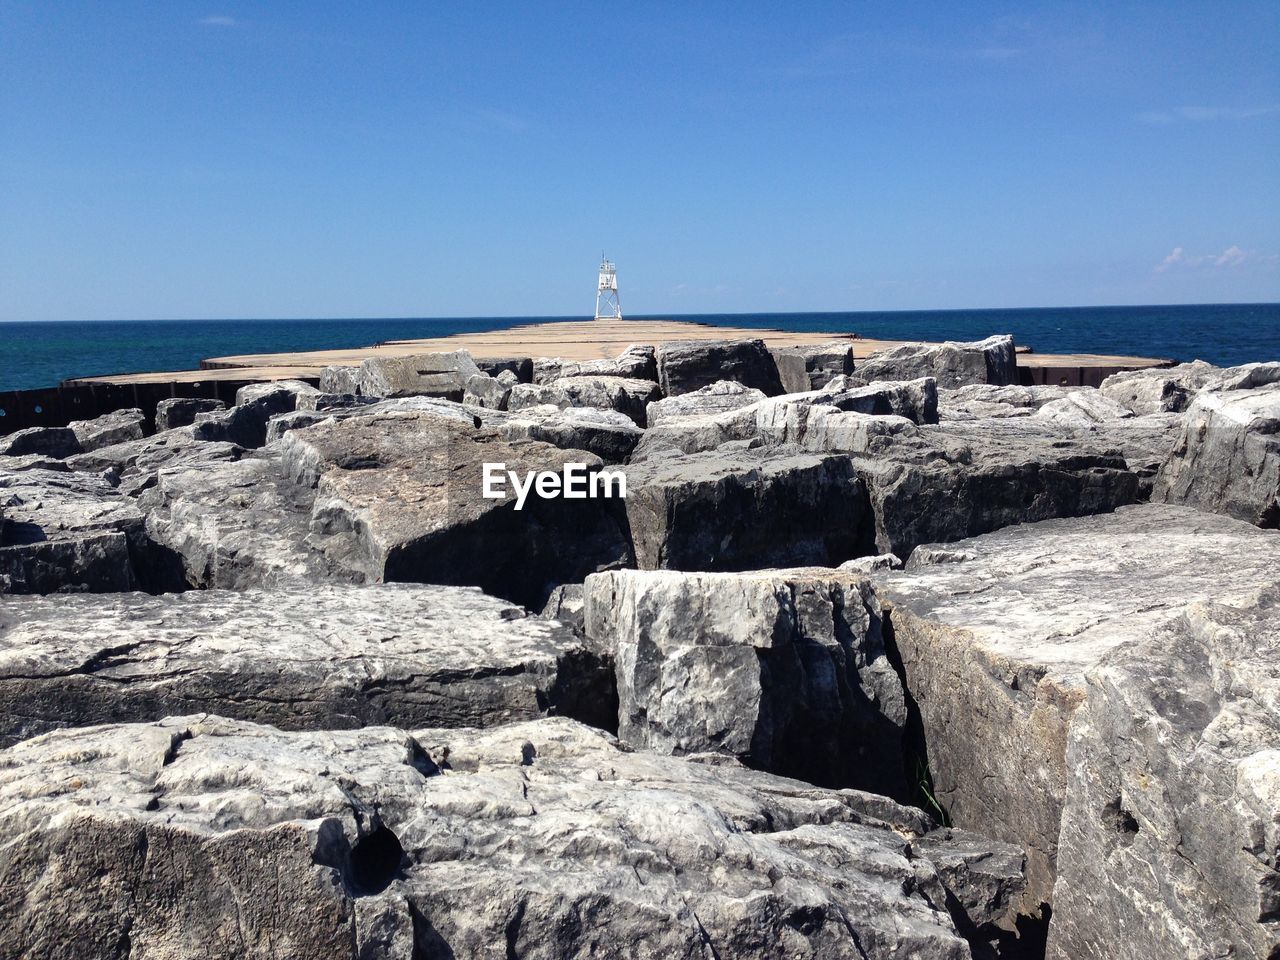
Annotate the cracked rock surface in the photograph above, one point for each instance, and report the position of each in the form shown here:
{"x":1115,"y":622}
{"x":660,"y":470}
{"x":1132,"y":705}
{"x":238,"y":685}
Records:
{"x":329,"y":658}
{"x":200,"y":835}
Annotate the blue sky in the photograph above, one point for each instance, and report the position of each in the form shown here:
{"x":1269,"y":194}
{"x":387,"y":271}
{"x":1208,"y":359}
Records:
{"x":230,"y":159}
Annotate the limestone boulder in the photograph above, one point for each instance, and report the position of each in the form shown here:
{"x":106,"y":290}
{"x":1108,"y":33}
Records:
{"x":489,"y":392}
{"x":70,"y":532}
{"x":182,"y":411}
{"x":1083,"y":408}
{"x":520,"y":367}
{"x":400,"y":497}
{"x":623,"y":394}
{"x":812,"y":366}
{"x":427,"y":375}
{"x":1159,"y":389}
{"x":610,"y":435}
{"x":331,"y":657}
{"x":979,"y":401}
{"x":132,"y":466}
{"x":119,"y":426}
{"x":1227,"y":458}
{"x":961,"y":479}
{"x":719,"y":397}
{"x":541,"y":839}
{"x":237,"y":525}
{"x":688,"y":365}
{"x":245,"y":423}
{"x":996,"y":634}
{"x":56,"y":442}
{"x":916,"y":400}
{"x":340,"y":379}
{"x":951,"y":364}
{"x":785,"y":670}
{"x":636,"y":363}
{"x":1172,"y":814}
{"x":742,"y":509}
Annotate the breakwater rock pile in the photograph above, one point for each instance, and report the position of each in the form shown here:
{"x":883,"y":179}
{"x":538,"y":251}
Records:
{"x":900,"y":659}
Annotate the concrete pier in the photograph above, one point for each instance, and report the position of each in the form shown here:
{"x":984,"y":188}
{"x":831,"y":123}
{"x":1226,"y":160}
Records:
{"x":219,"y":377}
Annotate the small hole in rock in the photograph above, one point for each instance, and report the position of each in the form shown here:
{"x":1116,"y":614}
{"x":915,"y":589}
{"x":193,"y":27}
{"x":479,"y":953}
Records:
{"x":39,"y":409}
{"x":1121,"y":821}
{"x":528,"y":753}
{"x":375,"y":861}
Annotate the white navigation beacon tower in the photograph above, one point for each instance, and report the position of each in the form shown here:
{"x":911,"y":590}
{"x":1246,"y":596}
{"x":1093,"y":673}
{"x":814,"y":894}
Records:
{"x":607,"y":292}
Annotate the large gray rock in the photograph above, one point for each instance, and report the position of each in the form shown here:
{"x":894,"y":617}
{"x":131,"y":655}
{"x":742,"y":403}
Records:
{"x":1083,"y":408}
{"x":399,"y":497}
{"x":784,"y":669}
{"x":625,"y":395}
{"x":995,"y":635}
{"x":688,"y":365}
{"x":224,"y":839}
{"x":916,"y":400}
{"x":742,"y":509}
{"x":182,"y":411}
{"x":340,"y":379}
{"x":1228,"y":457}
{"x":952,"y":364}
{"x":1245,"y":377}
{"x":636,"y":362}
{"x":120,"y":426}
{"x":134,"y":465}
{"x":812,"y":366}
{"x":237,"y":525}
{"x":520,"y":367}
{"x":489,"y":392}
{"x":245,"y":424}
{"x":58,"y":442}
{"x":428,"y":374}
{"x":719,"y":397}
{"x":979,"y":401}
{"x":610,"y":435}
{"x":1159,"y":389}
{"x":1172,"y":820}
{"x":63,"y":531}
{"x":329,"y":657}
{"x":966,"y":478}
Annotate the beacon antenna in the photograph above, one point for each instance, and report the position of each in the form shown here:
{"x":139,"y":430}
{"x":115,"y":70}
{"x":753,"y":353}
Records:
{"x":608,"y":304}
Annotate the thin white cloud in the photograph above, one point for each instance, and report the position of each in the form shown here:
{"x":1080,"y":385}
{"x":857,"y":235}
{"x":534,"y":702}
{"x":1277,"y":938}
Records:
{"x":1205,"y":114}
{"x":1233,"y":256}
{"x":218,"y":21}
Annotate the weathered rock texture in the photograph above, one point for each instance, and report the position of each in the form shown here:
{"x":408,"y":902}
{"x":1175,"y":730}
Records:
{"x":135,"y":464}
{"x":995,"y":634}
{"x":917,"y":400}
{"x":970,"y":477}
{"x":182,"y":411}
{"x":952,"y":364}
{"x":784,"y":669}
{"x":237,"y":525}
{"x":119,"y":426}
{"x":623,"y":394}
{"x":62,"y":531}
{"x":636,"y":362}
{"x":1228,"y":457}
{"x":59,"y":442}
{"x":610,"y":435}
{"x":225,"y":839}
{"x":399,"y":497}
{"x":812,"y":366}
{"x":427,"y":375}
{"x":1158,"y":390}
{"x":245,"y":423}
{"x":332,"y":657}
{"x":719,"y":397}
{"x":737,"y":510}
{"x":1172,"y":820}
{"x":688,"y":365}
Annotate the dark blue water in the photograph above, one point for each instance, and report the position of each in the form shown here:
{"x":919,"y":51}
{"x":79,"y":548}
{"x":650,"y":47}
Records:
{"x":42,"y":354}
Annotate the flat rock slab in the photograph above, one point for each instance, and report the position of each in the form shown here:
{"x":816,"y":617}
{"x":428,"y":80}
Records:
{"x":135,"y":463}
{"x":784,"y":669}
{"x":225,"y":839}
{"x":995,"y":635}
{"x":743,"y":509}
{"x":1172,"y":821}
{"x":952,"y":364}
{"x":332,"y":657}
